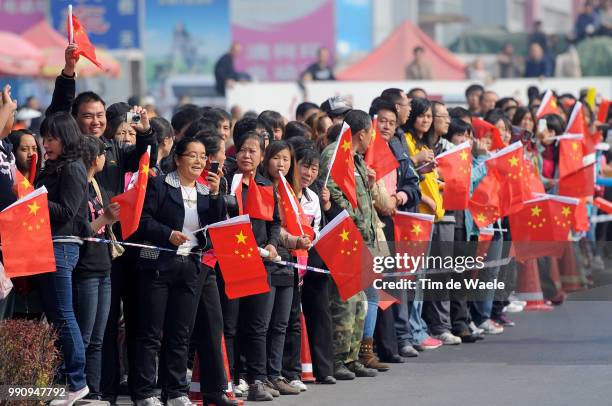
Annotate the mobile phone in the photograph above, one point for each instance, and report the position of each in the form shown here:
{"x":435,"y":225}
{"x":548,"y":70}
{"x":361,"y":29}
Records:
{"x":542,"y":125}
{"x":214,"y":167}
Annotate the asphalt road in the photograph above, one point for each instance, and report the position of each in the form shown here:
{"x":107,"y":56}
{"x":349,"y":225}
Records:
{"x":559,"y":358}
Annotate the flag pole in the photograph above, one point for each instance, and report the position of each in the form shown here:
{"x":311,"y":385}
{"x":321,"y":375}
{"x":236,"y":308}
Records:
{"x":70,"y":23}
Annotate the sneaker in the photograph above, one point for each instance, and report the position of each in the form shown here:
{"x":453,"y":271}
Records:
{"x":474,"y":329}
{"x":327,"y":380}
{"x":429,"y":343}
{"x":153,"y":401}
{"x":361,"y":371}
{"x":504,"y":321}
{"x":598,"y":264}
{"x":513,"y":307}
{"x":71,"y":397}
{"x":342,"y":373}
{"x":270,"y":388}
{"x":258,"y":393}
{"x":283,"y":387}
{"x":490,"y":327}
{"x":448,"y":338}
{"x":242,"y":385}
{"x":296,"y":383}
{"x":408,"y":351}
{"x":237,"y":392}
{"x":521,"y":303}
{"x":180,"y":401}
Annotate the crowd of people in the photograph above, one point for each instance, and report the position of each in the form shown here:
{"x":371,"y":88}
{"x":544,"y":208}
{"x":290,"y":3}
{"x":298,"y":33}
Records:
{"x":144,"y":313}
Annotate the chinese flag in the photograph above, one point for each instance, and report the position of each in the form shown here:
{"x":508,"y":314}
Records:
{"x":238,"y":255}
{"x":603,"y":204}
{"x":412,"y":233}
{"x":580,"y":183}
{"x":296,"y":222}
{"x":581,"y":217}
{"x":342,"y":167}
{"x":23,"y":186}
{"x":576,"y":123}
{"x":548,"y":106}
{"x":386,"y":300}
{"x":455,"y":166}
{"x":25,"y":229}
{"x":509,"y":167}
{"x":534,"y":181}
{"x":259,"y":201}
{"x":379,"y":156}
{"x":348,"y":259}
{"x":570,"y":154}
{"x":33,"y":163}
{"x":563,"y":211}
{"x":484,"y":204}
{"x":485,"y":129}
{"x":132,"y":200}
{"x":81,"y":38}
{"x":604,"y":108}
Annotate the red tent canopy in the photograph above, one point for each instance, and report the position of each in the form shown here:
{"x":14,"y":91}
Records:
{"x":18,"y":56}
{"x":44,"y":36}
{"x":389,"y":60}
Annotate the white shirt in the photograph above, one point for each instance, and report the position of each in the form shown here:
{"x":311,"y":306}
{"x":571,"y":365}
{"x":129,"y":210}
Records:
{"x":312,"y":208}
{"x":192,"y":220}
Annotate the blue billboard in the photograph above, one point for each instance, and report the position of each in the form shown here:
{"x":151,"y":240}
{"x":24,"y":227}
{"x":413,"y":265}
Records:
{"x":110,"y":24}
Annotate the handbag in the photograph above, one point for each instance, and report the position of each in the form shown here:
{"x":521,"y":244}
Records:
{"x":116,"y":249}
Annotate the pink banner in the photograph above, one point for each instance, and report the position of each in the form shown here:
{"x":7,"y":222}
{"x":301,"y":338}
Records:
{"x":19,"y":15}
{"x":280,"y":42}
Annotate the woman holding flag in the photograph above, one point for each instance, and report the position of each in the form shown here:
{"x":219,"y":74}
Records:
{"x":175,"y":208}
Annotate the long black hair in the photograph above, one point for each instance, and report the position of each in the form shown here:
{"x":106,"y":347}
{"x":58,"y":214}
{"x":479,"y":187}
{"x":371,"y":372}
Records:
{"x":274,"y":148}
{"x":63,"y":127}
{"x":15,"y":138}
{"x":418,"y":107}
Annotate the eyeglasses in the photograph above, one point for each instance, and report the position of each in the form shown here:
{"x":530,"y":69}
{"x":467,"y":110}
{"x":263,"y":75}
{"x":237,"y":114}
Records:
{"x":194,"y":157}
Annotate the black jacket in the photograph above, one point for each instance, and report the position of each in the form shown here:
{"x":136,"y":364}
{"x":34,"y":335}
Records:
{"x":266,"y":232}
{"x":407,"y":176}
{"x":164,"y":211}
{"x":119,"y":158}
{"x":7,"y":162}
{"x":67,"y":193}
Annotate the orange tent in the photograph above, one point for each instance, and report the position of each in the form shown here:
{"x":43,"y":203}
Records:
{"x":388,"y":61}
{"x":53,"y":45}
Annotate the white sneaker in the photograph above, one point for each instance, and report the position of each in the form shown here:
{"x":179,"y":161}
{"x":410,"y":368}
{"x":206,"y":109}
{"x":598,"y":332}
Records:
{"x":598,"y":264}
{"x":71,"y":397}
{"x":181,"y":401}
{"x":522,"y":303}
{"x":490,"y":327}
{"x":243,"y":386}
{"x":153,"y":401}
{"x":474,"y":329}
{"x":448,"y":338}
{"x":296,"y":383}
{"x":237,"y":392}
{"x":513,"y":307}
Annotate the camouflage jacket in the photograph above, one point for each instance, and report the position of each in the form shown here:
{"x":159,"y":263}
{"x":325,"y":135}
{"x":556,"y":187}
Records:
{"x":364,"y":215}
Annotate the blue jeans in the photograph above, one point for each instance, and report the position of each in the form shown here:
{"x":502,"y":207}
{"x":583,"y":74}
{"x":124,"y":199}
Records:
{"x":409,"y":325}
{"x":56,"y":295}
{"x":372,"y":312}
{"x":92,"y":297}
{"x":481,"y":310}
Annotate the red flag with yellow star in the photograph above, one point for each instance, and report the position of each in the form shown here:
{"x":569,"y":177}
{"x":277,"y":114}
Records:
{"x":25,"y":229}
{"x":238,"y":255}
{"x":81,"y":38}
{"x":22,"y":185}
{"x":508,"y":165}
{"x":259,"y":202}
{"x":379,"y":156}
{"x":571,"y":154}
{"x":342,"y":166}
{"x":412,"y":233}
{"x":346,"y":255}
{"x":580,"y":183}
{"x":548,"y":105}
{"x":455,"y":166}
{"x":484,"y":203}
{"x":132,"y":200}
